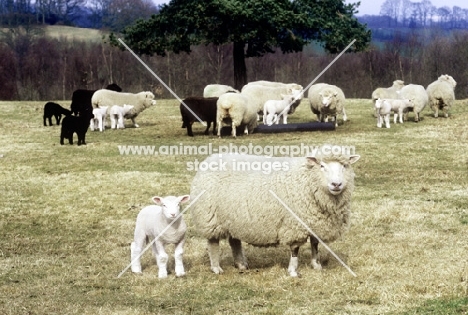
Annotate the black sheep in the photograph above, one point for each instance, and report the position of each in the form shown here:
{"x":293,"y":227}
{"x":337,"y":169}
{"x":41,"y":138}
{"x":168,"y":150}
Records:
{"x":81,"y":99}
{"x":204,"y":108}
{"x":54,"y":109}
{"x":78,"y":124}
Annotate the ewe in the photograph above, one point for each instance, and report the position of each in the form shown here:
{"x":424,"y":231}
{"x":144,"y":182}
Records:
{"x":203,"y":107}
{"x":441,"y":94}
{"x":327,"y":100}
{"x":234,"y":109}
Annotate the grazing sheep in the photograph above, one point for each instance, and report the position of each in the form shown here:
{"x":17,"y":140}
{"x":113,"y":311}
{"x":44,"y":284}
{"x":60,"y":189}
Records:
{"x":153,"y":223}
{"x":140,"y":101}
{"x":203,"y":107}
{"x":54,"y":109}
{"x":237,"y":203}
{"x":117,"y":113}
{"x":385,"y":106}
{"x":273,"y":109}
{"x":76,"y":124}
{"x":234,"y":109}
{"x":81,"y":99}
{"x":99,"y":120}
{"x":441,"y":94}
{"x":418,"y":94}
{"x":327,"y":100}
{"x":216,"y":90}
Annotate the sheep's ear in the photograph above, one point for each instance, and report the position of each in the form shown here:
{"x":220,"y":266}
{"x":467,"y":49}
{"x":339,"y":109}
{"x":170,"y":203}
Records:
{"x":335,"y":94}
{"x":354,"y":158}
{"x":184,"y":198}
{"x":157,"y":200}
{"x":312,"y":161}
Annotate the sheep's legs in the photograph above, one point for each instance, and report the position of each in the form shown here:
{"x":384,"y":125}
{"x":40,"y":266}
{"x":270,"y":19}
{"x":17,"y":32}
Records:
{"x":238,"y":254}
{"x":179,"y":264}
{"x":294,"y":261}
{"x":213,"y":252}
{"x":161,"y":258}
{"x":387,"y":120}
{"x":345,"y":117}
{"x":315,"y":254}
{"x":135,"y":252}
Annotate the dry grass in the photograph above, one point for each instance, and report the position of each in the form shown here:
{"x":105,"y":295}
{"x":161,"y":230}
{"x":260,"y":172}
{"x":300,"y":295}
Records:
{"x":74,"y":33}
{"x":67,"y":216}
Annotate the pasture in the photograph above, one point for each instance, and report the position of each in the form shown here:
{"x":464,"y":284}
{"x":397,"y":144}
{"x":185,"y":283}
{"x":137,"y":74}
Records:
{"x":67,"y":215}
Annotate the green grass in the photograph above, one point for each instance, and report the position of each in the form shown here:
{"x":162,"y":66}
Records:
{"x":67,"y":215}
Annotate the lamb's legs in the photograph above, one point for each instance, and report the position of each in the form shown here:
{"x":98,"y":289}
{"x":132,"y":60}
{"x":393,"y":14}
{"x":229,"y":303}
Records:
{"x":213,"y":252}
{"x":238,"y":254}
{"x":135,"y":252}
{"x":315,"y":254}
{"x":161,"y":258}
{"x":379,"y":121}
{"x":345,"y":117}
{"x":179,"y":264}
{"x":387,"y":120}
{"x":294,"y":261}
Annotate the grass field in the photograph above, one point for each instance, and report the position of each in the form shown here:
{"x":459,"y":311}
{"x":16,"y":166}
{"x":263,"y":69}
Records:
{"x":67,"y":215}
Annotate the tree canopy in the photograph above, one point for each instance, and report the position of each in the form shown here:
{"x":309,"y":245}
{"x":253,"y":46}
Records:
{"x":255,"y":27}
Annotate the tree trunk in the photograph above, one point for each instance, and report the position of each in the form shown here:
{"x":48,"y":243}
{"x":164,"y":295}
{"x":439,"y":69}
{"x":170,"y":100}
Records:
{"x":240,"y":70}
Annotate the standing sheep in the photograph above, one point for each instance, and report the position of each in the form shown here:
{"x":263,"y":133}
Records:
{"x":441,"y":94}
{"x":140,"y":101}
{"x":54,"y":109}
{"x":99,"y":119}
{"x":203,"y":107}
{"x":274,"y":109}
{"x":418,"y":94}
{"x":234,"y":109}
{"x":81,"y":99}
{"x":385,"y":106}
{"x":327,"y":100}
{"x":237,"y":203}
{"x":216,"y":90}
{"x":390,"y":92}
{"x":117,"y":113}
{"x":152,"y":223}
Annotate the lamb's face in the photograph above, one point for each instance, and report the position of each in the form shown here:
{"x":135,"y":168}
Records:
{"x":170,"y":205}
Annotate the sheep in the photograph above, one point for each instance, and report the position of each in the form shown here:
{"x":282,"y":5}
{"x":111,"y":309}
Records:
{"x":117,"y":113}
{"x":234,"y":109}
{"x":258,"y":94}
{"x":327,"y":100}
{"x":237,"y":203}
{"x":76,"y":124}
{"x":81,"y":99}
{"x":292,"y":86}
{"x":385,"y":106}
{"x":203,"y":107}
{"x":273,"y":109}
{"x":140,"y":101}
{"x":390,"y":92}
{"x":441,"y":94}
{"x":54,"y":109}
{"x":216,"y":90}
{"x":99,"y":120}
{"x":153,"y":222}
{"x":417,"y":93}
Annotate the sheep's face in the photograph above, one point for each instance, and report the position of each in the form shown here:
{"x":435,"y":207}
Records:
{"x":170,"y":205}
{"x":327,"y":98}
{"x":334,"y":174}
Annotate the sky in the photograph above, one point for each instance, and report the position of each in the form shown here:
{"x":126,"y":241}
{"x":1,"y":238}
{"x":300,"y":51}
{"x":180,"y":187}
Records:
{"x":372,"y":7}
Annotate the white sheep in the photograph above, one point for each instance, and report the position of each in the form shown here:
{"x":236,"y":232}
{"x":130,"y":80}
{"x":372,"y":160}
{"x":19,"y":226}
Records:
{"x":274,"y":109}
{"x":117,"y":113}
{"x":99,"y":120}
{"x":417,"y":93}
{"x":237,"y":203}
{"x":234,"y":109}
{"x":153,"y":223}
{"x":292,"y":86}
{"x":384,"y":108}
{"x":140,"y":101}
{"x":216,"y":90}
{"x":327,"y":100}
{"x":389,"y":92}
{"x":441,"y":94}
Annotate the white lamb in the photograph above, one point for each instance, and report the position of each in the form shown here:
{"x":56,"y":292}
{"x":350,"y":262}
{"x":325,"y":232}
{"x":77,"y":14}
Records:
{"x":237,"y":203}
{"x":327,"y":100}
{"x":216,"y":90}
{"x":140,"y":101}
{"x":157,"y":222}
{"x":441,"y":94}
{"x":99,"y":120}
{"x":117,"y":113}
{"x":390,"y":92}
{"x":384,"y":107}
{"x":234,"y":109}
{"x":274,"y":109}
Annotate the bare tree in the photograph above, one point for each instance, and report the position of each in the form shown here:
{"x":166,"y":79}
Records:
{"x":391,"y":8}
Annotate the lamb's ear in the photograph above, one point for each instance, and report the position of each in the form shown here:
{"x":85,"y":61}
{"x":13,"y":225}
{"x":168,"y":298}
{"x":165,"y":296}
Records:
{"x":184,"y":198}
{"x":312,"y":161}
{"x":157,"y":200}
{"x":354,"y":158}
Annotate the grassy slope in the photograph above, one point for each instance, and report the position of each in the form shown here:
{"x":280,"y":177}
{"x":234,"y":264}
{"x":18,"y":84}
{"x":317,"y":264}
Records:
{"x":67,"y":216}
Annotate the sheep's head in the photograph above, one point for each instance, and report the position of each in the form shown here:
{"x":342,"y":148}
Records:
{"x":170,"y":205}
{"x":335,"y":171}
{"x":398,"y":84}
{"x":449,"y":79}
{"x":327,"y":97}
{"x":378,"y":103}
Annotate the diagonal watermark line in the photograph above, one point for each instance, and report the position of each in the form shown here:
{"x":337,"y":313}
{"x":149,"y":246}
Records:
{"x":312,"y":232}
{"x":162,"y":232}
{"x":161,"y":81}
{"x":316,"y":78}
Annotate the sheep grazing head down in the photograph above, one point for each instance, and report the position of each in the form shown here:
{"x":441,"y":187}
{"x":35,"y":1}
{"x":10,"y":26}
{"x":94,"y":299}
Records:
{"x":335,"y":172}
{"x":170,"y":205}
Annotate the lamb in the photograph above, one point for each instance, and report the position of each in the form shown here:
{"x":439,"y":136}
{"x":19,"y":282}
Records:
{"x":237,"y":203}
{"x":81,"y":99}
{"x":273,"y":109}
{"x":441,"y":94}
{"x":117,"y":113}
{"x":327,"y":100}
{"x":99,"y":120}
{"x":140,"y":101}
{"x":234,"y":109}
{"x":390,"y":92}
{"x":203,"y":107}
{"x":76,"y":124}
{"x":417,"y":93}
{"x":385,"y":106}
{"x":216,"y":90}
{"x":153,"y":222}
{"x":54,"y":109}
